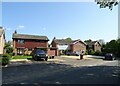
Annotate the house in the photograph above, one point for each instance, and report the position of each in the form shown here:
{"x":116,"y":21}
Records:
{"x":61,"y":44}
{"x":64,"y":45}
{"x":77,"y":46}
{"x":94,"y":45}
{"x":2,"y":40}
{"x":25,"y":44}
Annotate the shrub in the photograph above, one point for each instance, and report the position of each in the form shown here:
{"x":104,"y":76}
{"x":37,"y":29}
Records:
{"x":97,"y":53}
{"x":86,"y":53}
{"x":5,"y":59}
{"x":102,"y":54}
{"x":91,"y":52}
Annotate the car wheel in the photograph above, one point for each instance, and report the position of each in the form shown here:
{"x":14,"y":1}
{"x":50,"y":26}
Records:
{"x":46,"y":59}
{"x":35,"y":59}
{"x":114,"y":58}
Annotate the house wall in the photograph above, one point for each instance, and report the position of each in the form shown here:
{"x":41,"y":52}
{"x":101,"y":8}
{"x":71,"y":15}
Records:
{"x":2,"y":44}
{"x":97,"y":47}
{"x":29,"y":44}
{"x":77,"y":47}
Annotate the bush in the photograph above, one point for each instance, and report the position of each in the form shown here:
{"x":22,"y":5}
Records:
{"x":5,"y":59}
{"x":91,"y":52}
{"x":86,"y":53}
{"x":102,"y":54}
{"x":97,"y":53}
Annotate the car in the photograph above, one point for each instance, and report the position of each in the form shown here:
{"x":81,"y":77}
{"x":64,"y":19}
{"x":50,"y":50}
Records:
{"x":72,"y":54}
{"x":109,"y":56}
{"x":39,"y":54}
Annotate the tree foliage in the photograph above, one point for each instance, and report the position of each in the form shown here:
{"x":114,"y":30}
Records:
{"x":68,"y":39}
{"x":8,"y":47}
{"x":112,"y":47}
{"x":87,"y":40}
{"x":107,"y":3}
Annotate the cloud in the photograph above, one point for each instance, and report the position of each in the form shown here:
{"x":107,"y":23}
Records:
{"x":44,"y":28}
{"x":8,"y":29}
{"x":20,"y":27}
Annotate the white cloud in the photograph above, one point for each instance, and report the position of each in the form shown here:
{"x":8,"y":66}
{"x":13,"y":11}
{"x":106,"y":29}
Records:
{"x":20,"y":27}
{"x":44,"y":28}
{"x":8,"y":29}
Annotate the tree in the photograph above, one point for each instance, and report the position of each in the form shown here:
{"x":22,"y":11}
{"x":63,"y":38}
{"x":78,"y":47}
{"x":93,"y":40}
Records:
{"x":88,"y":41}
{"x":107,"y":3}
{"x":102,"y":41}
{"x":68,"y":39}
{"x":112,"y":47}
{"x":8,"y":47}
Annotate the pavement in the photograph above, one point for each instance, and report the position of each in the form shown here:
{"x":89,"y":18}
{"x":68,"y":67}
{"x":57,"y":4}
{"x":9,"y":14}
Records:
{"x":85,"y":57}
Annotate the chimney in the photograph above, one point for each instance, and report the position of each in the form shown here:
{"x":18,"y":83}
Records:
{"x":15,"y":32}
{"x":54,"y":38}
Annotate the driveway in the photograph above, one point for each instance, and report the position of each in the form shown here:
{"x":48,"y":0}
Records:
{"x":88,"y":60}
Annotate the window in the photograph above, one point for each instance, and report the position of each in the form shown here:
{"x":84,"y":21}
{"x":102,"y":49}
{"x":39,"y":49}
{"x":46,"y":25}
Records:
{"x":21,"y":41}
{"x":29,"y":49}
{"x":20,"y":51}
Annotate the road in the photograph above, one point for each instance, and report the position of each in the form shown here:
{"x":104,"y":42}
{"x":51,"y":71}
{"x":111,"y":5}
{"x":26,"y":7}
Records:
{"x":67,"y":71}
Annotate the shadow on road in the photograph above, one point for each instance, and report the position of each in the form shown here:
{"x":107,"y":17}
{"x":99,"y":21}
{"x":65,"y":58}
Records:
{"x":54,"y":73}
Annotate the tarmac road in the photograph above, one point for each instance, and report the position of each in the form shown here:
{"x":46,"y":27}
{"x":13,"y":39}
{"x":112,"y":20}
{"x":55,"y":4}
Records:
{"x":70,"y":71}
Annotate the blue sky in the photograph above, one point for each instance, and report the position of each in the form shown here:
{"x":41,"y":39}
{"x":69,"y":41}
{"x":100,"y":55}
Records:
{"x":83,"y":20}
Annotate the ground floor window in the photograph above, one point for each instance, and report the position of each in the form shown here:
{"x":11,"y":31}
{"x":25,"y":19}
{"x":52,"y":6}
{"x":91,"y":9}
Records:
{"x":20,"y":51}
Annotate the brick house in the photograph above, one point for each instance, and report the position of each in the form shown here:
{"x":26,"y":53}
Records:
{"x":2,"y":40}
{"x":94,"y":45}
{"x":67,"y":45}
{"x":24,"y":44}
{"x":77,"y":46}
{"x":61,"y":44}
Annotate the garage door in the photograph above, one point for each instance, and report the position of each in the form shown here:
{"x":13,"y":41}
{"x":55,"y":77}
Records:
{"x":52,"y":52}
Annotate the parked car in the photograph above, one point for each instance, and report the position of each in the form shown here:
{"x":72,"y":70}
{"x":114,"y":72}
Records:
{"x":38,"y":54}
{"x":72,"y":54}
{"x":109,"y":56}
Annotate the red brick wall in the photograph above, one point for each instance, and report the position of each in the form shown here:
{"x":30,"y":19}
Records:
{"x":78,"y":46}
{"x":31,"y":44}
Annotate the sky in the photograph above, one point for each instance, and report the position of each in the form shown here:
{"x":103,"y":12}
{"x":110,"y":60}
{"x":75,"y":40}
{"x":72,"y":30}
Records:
{"x":77,"y":20}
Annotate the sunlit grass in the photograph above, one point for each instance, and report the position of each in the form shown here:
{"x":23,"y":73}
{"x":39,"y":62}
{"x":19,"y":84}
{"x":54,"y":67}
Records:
{"x":21,"y":57}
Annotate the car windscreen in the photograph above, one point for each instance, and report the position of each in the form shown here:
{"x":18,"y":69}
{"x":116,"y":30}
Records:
{"x":40,"y":52}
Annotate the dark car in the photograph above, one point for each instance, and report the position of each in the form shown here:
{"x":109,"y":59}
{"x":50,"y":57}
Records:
{"x":109,"y":56}
{"x":38,"y":54}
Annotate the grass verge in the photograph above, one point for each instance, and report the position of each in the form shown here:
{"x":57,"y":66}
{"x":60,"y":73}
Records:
{"x":21,"y":57}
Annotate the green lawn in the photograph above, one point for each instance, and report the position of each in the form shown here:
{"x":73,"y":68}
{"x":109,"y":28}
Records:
{"x":21,"y":57}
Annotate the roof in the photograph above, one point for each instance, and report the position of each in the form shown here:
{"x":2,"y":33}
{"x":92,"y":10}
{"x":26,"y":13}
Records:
{"x":25,"y":36}
{"x":62,"y":41}
{"x":67,"y":42}
{"x":92,"y":43}
{"x":73,"y":42}
{"x":1,"y":31}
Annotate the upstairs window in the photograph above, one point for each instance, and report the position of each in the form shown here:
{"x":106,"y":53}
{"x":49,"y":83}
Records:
{"x":21,"y":41}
